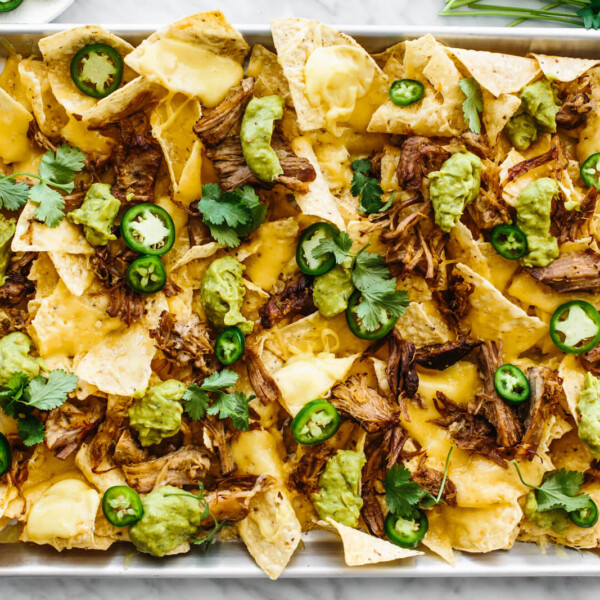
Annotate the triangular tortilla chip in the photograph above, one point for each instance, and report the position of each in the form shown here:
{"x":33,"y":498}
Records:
{"x":364,"y":549}
{"x":74,"y":270}
{"x":14,"y":125}
{"x":494,"y":317}
{"x":497,"y":112}
{"x":423,"y":324}
{"x":295,"y":41}
{"x":200,"y":55}
{"x":268,"y":75}
{"x":58,"y":51}
{"x":497,"y":73}
{"x":562,"y":68}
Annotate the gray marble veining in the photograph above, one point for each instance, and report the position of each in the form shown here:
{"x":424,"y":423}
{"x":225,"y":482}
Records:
{"x":356,"y":12}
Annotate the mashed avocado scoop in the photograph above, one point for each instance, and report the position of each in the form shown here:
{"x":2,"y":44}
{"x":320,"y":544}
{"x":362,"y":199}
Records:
{"x":533,"y":219}
{"x":15,"y":358}
{"x":332,"y":291}
{"x":171,"y":517}
{"x":222,"y":294}
{"x":7,"y":231}
{"x":454,"y":187}
{"x":97,"y":214}
{"x":339,"y":494}
{"x":258,"y":124}
{"x":588,"y":408}
{"x":157,"y":414}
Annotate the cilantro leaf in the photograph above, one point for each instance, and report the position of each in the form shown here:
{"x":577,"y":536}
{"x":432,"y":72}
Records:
{"x":196,"y":402}
{"x":234,"y":405}
{"x":402,"y":495}
{"x":218,"y":381}
{"x":31,"y":430}
{"x":50,"y":204}
{"x":369,"y":269}
{"x":231,"y":216}
{"x":590,"y":16}
{"x":13,"y":194}
{"x":339,"y":247}
{"x":366,"y":188}
{"x":473,"y":104}
{"x":46,"y":394}
{"x":61,"y":167}
{"x":561,"y":489}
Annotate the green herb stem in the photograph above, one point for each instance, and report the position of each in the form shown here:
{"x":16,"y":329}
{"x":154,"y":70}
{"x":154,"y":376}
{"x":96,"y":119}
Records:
{"x":523,"y":19}
{"x":443,"y":485}
{"x":510,"y":13}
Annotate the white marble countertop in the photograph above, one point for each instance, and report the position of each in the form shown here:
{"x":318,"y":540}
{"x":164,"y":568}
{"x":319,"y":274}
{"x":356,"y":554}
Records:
{"x":358,"y":12}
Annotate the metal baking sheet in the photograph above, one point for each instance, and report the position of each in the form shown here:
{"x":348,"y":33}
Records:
{"x":320,"y":554}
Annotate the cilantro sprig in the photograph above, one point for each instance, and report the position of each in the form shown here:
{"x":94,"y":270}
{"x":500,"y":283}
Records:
{"x":21,"y":397}
{"x":404,"y":496}
{"x":231,"y":216}
{"x":367,"y":188}
{"x":561,"y":489}
{"x":379,"y":296}
{"x":473,"y":104}
{"x":210,"y":537}
{"x":233,"y":405}
{"x":57,"y":171}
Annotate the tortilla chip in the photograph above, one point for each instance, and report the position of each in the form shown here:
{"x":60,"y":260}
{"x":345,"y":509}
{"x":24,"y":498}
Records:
{"x":493,"y":317}
{"x":565,"y":69}
{"x":497,"y":112}
{"x":271,"y":531}
{"x":572,"y":374}
{"x":423,"y":324}
{"x":268,"y":75}
{"x":10,"y":80}
{"x":295,"y":40}
{"x":14,"y":125}
{"x":361,"y":548}
{"x":497,"y":73}
{"x":570,"y":453}
{"x":197,"y":253}
{"x":31,"y":236}
{"x":58,"y":51}
{"x":45,"y":276}
{"x":102,"y":476}
{"x":172,"y":122}
{"x":49,"y":114}
{"x":138,"y":94}
{"x":129,"y":354}
{"x":439,"y":112}
{"x":463,"y":247}
{"x":318,"y":201}
{"x":436,"y":538}
{"x":184,"y":43}
{"x":482,"y":529}
{"x":74,"y":270}
{"x":589,"y":138}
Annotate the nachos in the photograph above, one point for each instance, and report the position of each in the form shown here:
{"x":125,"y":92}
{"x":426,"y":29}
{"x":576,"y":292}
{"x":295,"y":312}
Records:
{"x":246,"y":294}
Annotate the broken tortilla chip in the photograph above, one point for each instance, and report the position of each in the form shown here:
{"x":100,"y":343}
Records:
{"x":561,"y":68}
{"x":361,"y":548}
{"x":495,"y":72}
{"x":496,"y":113}
{"x":59,"y":49}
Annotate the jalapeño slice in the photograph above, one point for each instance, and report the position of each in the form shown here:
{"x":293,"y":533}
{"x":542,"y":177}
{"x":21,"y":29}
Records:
{"x":590,"y":171}
{"x":511,"y":384}
{"x":8,"y":5}
{"x":230,"y":346}
{"x":358,"y":328}
{"x":575,"y":327}
{"x":146,"y":275}
{"x":5,"y":455}
{"x":122,"y":506}
{"x":148,"y":229}
{"x":309,"y":240}
{"x":404,"y":92}
{"x":406,"y":532}
{"x":316,"y":422}
{"x":509,"y":241}
{"x":97,"y":70}
{"x":585,"y":517}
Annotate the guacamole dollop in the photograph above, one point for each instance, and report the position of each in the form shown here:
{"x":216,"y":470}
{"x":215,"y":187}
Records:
{"x":453,"y":187}
{"x":556,"y":519}
{"x":521,"y":131}
{"x":157,"y":414}
{"x":14,"y":357}
{"x":588,"y":407}
{"x":222,"y":294}
{"x":258,"y":124}
{"x":339,"y":495}
{"x":7,"y":231}
{"x":332,"y":290}
{"x":539,"y":105}
{"x":97,"y":214}
{"x":169,"y":520}
{"x":533,"y":218}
